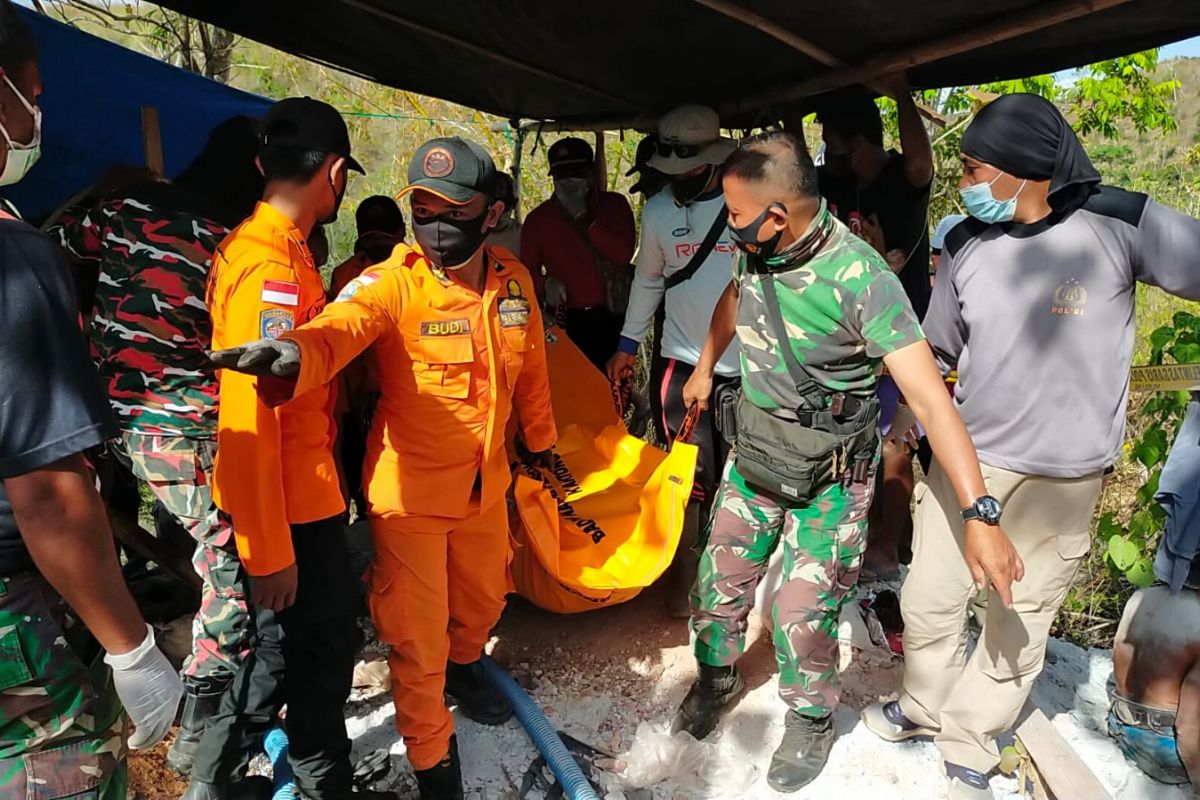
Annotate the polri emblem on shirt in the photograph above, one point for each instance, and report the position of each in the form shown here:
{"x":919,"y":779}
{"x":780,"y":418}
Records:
{"x":274,"y":322}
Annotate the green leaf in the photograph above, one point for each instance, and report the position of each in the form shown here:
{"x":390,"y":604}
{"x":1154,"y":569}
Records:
{"x":1121,"y":552}
{"x":1010,"y":760}
{"x":1107,"y":527}
{"x":1141,"y":574}
{"x":1148,"y":453}
{"x":1186,"y":353}
{"x":1160,"y":337}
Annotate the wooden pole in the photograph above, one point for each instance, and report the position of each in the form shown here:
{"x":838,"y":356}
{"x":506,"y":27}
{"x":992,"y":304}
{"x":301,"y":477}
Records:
{"x":799,"y":43}
{"x":152,"y":139}
{"x":1038,"y":17}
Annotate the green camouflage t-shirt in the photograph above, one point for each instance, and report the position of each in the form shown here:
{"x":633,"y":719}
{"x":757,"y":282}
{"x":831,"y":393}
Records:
{"x":844,"y":310}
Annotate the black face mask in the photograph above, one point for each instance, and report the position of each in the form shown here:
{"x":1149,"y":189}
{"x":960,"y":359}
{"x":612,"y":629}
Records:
{"x":743,"y":237}
{"x":449,"y":243}
{"x":332,"y":216}
{"x":688,"y":188}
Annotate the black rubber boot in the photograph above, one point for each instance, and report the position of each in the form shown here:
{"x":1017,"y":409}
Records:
{"x":802,"y":753}
{"x":681,"y":576}
{"x":707,"y":700}
{"x":477,"y":699}
{"x":201,"y":701}
{"x":443,"y":782}
{"x":256,"y":788}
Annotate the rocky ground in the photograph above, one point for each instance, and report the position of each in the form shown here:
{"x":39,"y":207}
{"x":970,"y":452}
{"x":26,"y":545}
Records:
{"x":612,"y":679}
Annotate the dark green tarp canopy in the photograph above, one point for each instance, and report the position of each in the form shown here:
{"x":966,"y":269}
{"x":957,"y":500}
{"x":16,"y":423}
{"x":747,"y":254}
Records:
{"x":621,"y":60}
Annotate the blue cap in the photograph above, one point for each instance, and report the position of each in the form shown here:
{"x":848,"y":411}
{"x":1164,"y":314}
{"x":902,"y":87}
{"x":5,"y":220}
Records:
{"x":939,"y":233}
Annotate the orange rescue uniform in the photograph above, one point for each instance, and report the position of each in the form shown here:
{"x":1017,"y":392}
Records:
{"x":454,"y":366}
{"x":274,"y":466}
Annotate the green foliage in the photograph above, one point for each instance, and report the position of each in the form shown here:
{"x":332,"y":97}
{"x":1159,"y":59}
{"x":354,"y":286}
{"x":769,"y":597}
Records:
{"x":1123,"y":90}
{"x":1129,"y":548}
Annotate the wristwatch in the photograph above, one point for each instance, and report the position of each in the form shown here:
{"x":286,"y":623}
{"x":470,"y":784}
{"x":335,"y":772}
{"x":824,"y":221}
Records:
{"x":986,"y":509}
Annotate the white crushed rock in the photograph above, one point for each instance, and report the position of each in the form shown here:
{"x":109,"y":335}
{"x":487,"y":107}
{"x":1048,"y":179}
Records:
{"x":599,"y":676}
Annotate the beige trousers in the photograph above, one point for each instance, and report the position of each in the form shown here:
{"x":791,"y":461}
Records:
{"x":971,"y":701}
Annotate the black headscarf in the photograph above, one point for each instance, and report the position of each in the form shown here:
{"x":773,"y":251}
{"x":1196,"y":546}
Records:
{"x":1027,"y":136}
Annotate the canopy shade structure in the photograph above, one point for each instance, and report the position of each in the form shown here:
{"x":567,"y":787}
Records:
{"x":92,"y":113}
{"x":620,"y":62}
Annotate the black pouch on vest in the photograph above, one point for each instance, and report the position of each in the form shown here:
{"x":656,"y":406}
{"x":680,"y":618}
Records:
{"x":725,"y":400}
{"x":794,"y":461}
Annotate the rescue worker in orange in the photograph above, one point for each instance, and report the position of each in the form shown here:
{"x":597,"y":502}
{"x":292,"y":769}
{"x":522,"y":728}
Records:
{"x":274,"y":475}
{"x":461,"y":347}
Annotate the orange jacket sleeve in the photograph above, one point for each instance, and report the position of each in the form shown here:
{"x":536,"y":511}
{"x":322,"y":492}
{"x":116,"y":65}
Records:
{"x":532,"y":393}
{"x":344,"y":329}
{"x":251,"y":474}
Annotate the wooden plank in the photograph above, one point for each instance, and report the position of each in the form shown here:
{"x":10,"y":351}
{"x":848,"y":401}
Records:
{"x":1037,"y":17}
{"x":145,"y":544}
{"x":1065,"y":773}
{"x":152,"y":139}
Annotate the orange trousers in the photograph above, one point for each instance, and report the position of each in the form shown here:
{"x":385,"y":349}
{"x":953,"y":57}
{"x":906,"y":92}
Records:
{"x":437,"y":590}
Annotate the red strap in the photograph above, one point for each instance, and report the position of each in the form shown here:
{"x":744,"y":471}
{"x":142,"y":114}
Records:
{"x":689,"y":423}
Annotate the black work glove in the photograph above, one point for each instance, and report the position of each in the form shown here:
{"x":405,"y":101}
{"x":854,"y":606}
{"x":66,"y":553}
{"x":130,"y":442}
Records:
{"x":266,"y":358}
{"x":543,"y":459}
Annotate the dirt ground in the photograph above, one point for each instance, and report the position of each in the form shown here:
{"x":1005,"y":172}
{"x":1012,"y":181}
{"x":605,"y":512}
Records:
{"x":149,"y":776}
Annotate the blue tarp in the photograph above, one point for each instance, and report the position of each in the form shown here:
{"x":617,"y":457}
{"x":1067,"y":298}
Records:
{"x":92,"y":113}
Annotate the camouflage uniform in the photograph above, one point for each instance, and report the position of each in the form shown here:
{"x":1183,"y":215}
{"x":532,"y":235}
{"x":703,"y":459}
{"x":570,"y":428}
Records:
{"x":154,"y":244}
{"x":843,"y":311}
{"x":178,"y":470}
{"x":62,"y":729}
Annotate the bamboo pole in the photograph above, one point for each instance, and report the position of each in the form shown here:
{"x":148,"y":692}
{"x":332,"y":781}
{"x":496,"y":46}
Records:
{"x":1037,"y":17}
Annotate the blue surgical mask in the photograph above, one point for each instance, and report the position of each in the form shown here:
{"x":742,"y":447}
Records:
{"x":983,"y":205}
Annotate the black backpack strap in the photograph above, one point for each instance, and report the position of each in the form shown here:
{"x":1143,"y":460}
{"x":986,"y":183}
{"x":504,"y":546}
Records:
{"x":810,"y":391}
{"x":698,"y":257}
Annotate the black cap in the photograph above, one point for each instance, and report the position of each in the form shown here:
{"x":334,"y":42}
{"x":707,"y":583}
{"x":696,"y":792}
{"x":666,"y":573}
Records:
{"x":379,"y":213}
{"x":569,"y":152}
{"x":307,"y":124}
{"x":645,"y":150}
{"x":452,"y":168}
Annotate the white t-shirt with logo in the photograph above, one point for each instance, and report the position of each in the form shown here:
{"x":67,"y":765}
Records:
{"x":670,"y":234}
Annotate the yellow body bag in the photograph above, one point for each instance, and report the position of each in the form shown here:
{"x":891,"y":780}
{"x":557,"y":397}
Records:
{"x":604,"y":522}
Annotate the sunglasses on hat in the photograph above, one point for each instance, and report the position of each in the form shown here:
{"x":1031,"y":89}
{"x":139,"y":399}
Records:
{"x":665,"y":150}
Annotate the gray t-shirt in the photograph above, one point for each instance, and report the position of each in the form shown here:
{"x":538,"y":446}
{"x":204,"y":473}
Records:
{"x":1039,"y":320}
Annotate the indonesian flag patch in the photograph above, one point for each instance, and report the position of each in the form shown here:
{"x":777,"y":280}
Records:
{"x":281,"y":293}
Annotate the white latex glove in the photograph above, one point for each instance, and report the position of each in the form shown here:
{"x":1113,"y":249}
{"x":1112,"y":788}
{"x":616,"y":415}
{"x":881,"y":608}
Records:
{"x":904,"y":432}
{"x":149,"y":688}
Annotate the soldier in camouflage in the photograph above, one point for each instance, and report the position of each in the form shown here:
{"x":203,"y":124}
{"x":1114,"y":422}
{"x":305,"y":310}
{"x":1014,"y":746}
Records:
{"x":154,"y":242}
{"x":60,"y":694}
{"x":845,"y":315}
